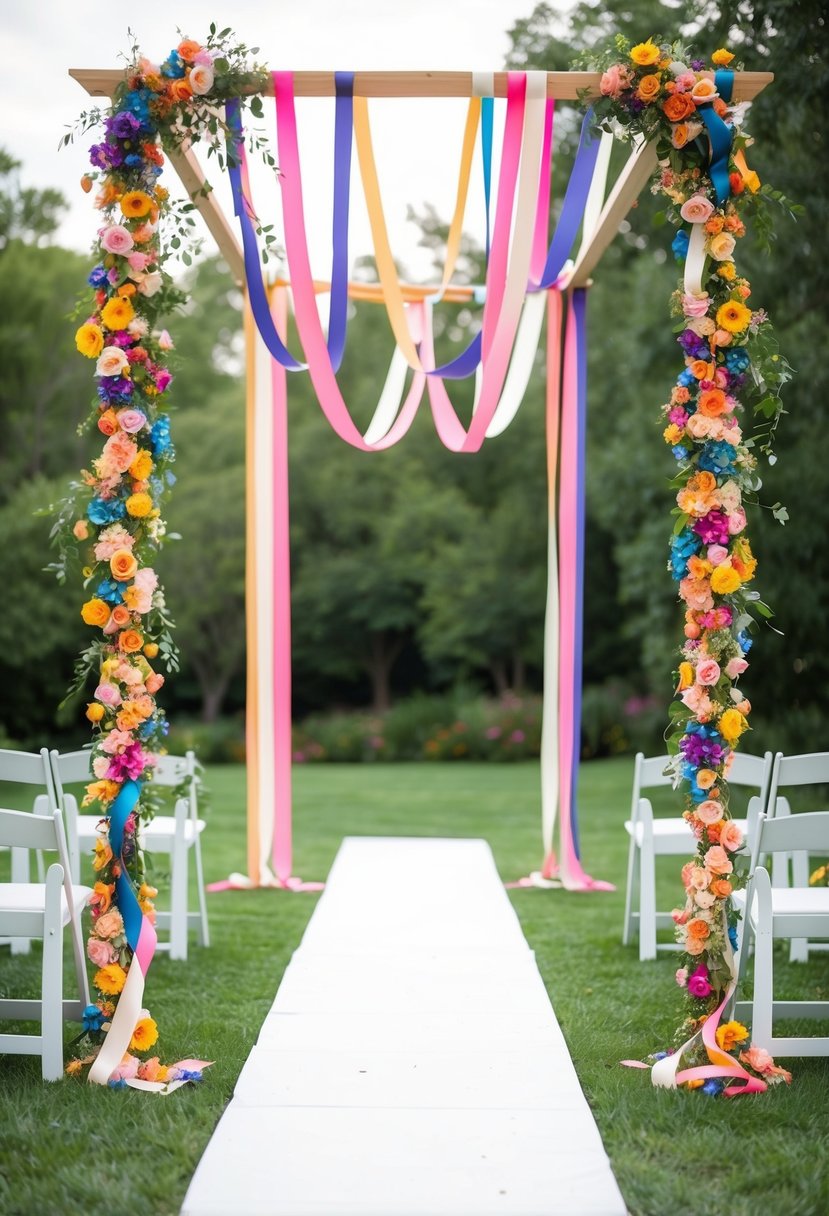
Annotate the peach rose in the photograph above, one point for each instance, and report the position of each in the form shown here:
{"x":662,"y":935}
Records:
{"x":704,"y":899}
{"x":720,"y":246}
{"x":735,"y":667}
{"x":704,"y":91}
{"x":123,"y":565}
{"x":201,"y":79}
{"x":709,"y":811}
{"x":109,"y":924}
{"x":100,"y":953}
{"x":706,"y":777}
{"x":721,"y":887}
{"x":153,"y":682}
{"x":130,"y":641}
{"x":731,"y":837}
{"x":694,"y":946}
{"x":112,"y":362}
{"x":696,"y":209}
{"x":718,"y":861}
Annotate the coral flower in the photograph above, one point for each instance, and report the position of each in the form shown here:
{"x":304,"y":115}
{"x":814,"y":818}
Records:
{"x":123,"y":565}
{"x":130,"y":641}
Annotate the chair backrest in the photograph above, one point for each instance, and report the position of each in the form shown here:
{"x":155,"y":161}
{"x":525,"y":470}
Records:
{"x":648,"y":773}
{"x":808,"y":831}
{"x":809,"y":769}
{"x":754,"y":771}
{"x":71,"y":768}
{"x":28,"y":768}
{"x":174,"y":770}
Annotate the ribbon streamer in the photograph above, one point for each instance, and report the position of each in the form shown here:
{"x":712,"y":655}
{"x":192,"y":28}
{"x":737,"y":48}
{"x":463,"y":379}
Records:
{"x":141,"y":939}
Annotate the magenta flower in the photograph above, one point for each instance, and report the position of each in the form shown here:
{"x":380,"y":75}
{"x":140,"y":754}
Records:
{"x":698,"y":983}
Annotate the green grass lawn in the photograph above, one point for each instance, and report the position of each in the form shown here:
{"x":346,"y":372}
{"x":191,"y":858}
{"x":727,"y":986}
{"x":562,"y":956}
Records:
{"x":72,"y":1148}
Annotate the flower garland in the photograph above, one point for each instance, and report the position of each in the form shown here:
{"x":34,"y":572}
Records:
{"x":122,"y":527}
{"x":662,"y":92}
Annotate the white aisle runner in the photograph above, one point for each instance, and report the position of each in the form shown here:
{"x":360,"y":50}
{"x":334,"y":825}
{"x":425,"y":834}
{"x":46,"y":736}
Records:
{"x":411,"y":1062}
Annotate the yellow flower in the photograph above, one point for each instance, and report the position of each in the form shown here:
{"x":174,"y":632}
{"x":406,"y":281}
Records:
{"x":110,"y":979}
{"x":672,"y":434}
{"x":144,"y":1035}
{"x":722,"y":57}
{"x":686,"y":676}
{"x":89,"y":340}
{"x":94,"y":711}
{"x":730,"y":1034}
{"x":726,"y":270}
{"x":117,"y":313}
{"x":725,"y":580}
{"x":73,"y":1068}
{"x":731,"y":725}
{"x":139,"y":505}
{"x":142,"y":466}
{"x":103,"y":855}
{"x":752,"y":181}
{"x":100,"y":791}
{"x":645,"y":53}
{"x":817,"y":875}
{"x":135,"y":204}
{"x":733,"y":316}
{"x":95,"y":612}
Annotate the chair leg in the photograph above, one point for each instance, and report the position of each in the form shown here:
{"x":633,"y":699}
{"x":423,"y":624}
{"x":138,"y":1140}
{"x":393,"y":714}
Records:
{"x":178,"y":887}
{"x":632,"y":883}
{"x":799,"y":948}
{"x":51,"y":994}
{"x":647,"y":897}
{"x":204,"y":929}
{"x":20,"y":873}
{"x":763,"y":1002}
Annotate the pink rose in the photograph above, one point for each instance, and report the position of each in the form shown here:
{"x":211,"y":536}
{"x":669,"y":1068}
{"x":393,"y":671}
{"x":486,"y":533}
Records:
{"x":708,"y":672}
{"x":681,"y":976}
{"x":100,"y":953}
{"x":204,"y":58}
{"x":709,"y":811}
{"x":698,"y":982}
{"x":117,"y":741}
{"x":111,"y":362}
{"x":736,"y":521}
{"x":116,"y":239}
{"x":119,"y":452}
{"x":99,"y":766}
{"x":679,"y":916}
{"x":731,"y":837}
{"x":107,"y":694}
{"x":700,"y":877}
{"x":716,"y":554}
{"x":758,"y":1058}
{"x":165,"y":342}
{"x":614,"y":81}
{"x":695,"y":306}
{"x":131,"y":421}
{"x":735,"y":667}
{"x":717,"y":860}
{"x":697,"y":209}
{"x":126,"y":1070}
{"x":138,"y":261}
{"x":698,"y":701}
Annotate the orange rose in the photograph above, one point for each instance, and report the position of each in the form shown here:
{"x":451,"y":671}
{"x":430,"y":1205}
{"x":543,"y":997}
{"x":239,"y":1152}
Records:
{"x":123,"y":565}
{"x":712,"y":403}
{"x":720,"y":887}
{"x":120,"y":616}
{"x":700,"y":369}
{"x":720,"y":107}
{"x":179,"y":90}
{"x":714,"y":225}
{"x":678,"y":106}
{"x":108,"y":422}
{"x":95,"y":612}
{"x":704,"y":90}
{"x":699,"y":929}
{"x":128,"y":717}
{"x":649,"y":86}
{"x":188,"y":49}
{"x":130,"y":641}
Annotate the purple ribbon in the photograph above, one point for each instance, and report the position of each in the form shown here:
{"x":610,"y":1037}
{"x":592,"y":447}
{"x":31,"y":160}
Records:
{"x":572,"y":209}
{"x":580,"y":314}
{"x":338,"y":307}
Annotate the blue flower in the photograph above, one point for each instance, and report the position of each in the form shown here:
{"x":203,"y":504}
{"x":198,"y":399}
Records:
{"x":105,"y":511}
{"x":680,"y":453}
{"x":119,"y":1084}
{"x":679,"y":245}
{"x":686,"y":379}
{"x":173,"y":66}
{"x":137,"y":101}
{"x":189,"y":1074}
{"x":737,"y":359}
{"x":93,"y":1019}
{"x":115,"y":388}
{"x":745,"y":642}
{"x":133,"y":160}
{"x":733,"y":938}
{"x":683,"y":546}
{"x":110,"y":591}
{"x":713,"y":1087}
{"x":160,"y":436}
{"x":718,"y":456}
{"x":659,"y":1055}
{"x":98,"y":276}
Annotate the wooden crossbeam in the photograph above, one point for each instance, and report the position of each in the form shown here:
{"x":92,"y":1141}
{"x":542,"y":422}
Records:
{"x":565,"y":86}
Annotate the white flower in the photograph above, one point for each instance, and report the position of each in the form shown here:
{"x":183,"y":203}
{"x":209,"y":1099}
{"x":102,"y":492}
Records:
{"x":151,"y":283}
{"x":112,"y":362}
{"x":201,"y":79}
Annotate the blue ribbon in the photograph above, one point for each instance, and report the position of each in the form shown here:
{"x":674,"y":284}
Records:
{"x":720,"y":135}
{"x":119,"y":813}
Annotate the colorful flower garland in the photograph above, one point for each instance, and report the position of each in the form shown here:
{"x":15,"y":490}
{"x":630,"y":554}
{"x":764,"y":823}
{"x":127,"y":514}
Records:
{"x":122,"y":527}
{"x":662,"y":92}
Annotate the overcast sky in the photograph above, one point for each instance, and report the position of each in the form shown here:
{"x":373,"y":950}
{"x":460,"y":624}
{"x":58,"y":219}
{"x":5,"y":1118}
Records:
{"x":417,"y":143}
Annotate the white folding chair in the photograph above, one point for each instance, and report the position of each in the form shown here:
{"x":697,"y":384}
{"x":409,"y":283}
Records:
{"x":769,"y":912}
{"x":652,"y":837}
{"x":42,"y":910}
{"x":174,"y":834}
{"x":793,"y":867}
{"x":29,"y":769}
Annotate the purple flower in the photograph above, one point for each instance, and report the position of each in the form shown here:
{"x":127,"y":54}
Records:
{"x":692,"y":343}
{"x":123,"y":125}
{"x":162,"y":380}
{"x":493,"y":732}
{"x":698,"y":65}
{"x":713,"y":528}
{"x":517,"y":736}
{"x":106,"y":156}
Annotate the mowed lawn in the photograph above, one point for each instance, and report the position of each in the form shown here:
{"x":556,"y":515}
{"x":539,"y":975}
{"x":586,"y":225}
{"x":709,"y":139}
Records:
{"x":71,"y":1148}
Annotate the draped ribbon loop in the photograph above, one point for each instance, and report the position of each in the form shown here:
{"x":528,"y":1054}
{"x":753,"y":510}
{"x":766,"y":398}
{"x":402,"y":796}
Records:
{"x":720,"y":136}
